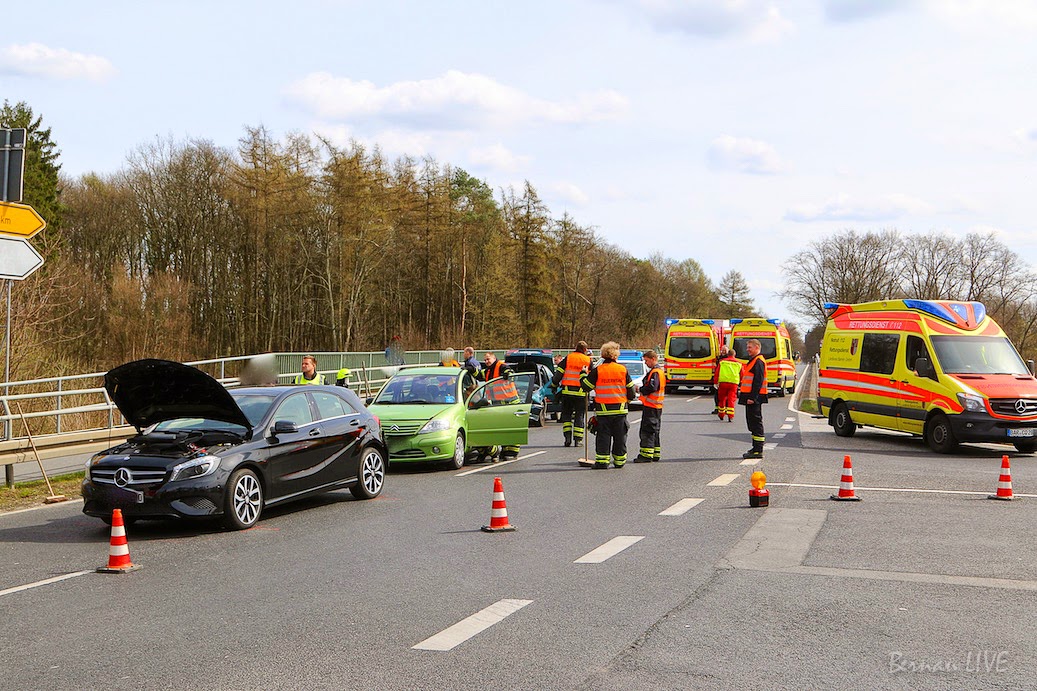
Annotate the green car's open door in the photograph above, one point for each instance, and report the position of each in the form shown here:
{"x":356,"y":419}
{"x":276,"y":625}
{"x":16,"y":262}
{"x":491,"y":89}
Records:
{"x":498,"y":412}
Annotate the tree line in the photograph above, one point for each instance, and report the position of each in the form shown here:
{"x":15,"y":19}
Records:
{"x":191,"y":250}
{"x":853,"y":266}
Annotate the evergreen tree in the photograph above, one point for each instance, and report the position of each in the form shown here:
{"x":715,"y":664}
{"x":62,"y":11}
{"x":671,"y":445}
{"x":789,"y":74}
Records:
{"x":41,"y":183}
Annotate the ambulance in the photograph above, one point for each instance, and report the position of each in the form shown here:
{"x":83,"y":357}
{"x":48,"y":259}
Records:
{"x":775,"y":347}
{"x":942,"y":370}
{"x":690,"y":352}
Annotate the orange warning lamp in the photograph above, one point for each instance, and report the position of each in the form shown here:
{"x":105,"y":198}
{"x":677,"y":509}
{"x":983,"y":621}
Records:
{"x":758,"y":495}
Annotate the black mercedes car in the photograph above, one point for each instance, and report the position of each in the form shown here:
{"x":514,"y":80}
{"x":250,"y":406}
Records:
{"x":203,"y":451}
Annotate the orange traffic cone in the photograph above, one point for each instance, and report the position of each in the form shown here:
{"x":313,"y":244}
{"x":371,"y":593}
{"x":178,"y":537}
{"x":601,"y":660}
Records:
{"x":1004,"y":482}
{"x":846,"y":483}
{"x":119,"y":550}
{"x":499,"y":510}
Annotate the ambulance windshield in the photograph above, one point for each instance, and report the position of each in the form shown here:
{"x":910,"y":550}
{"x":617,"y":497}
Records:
{"x":689,"y":347}
{"x":767,"y":347}
{"x":978,"y":355}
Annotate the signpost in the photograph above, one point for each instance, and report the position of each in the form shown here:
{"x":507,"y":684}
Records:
{"x":18,"y":258}
{"x":20,"y":219}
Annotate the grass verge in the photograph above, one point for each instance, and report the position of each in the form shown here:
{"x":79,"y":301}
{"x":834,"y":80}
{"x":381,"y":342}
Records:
{"x":808,"y":405}
{"x":25,"y":495}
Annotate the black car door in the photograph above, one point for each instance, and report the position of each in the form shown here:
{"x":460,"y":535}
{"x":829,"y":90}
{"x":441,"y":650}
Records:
{"x":342,"y":430}
{"x":293,"y":455}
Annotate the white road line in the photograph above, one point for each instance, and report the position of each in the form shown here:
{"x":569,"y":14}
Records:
{"x":726,"y":479}
{"x":466,"y":628}
{"x":786,"y":426}
{"x":770,"y":446}
{"x":790,"y":419}
{"x":893,"y":489}
{"x":491,"y":466}
{"x":20,"y":588}
{"x":609,"y":549}
{"x":780,"y":435}
{"x":750,"y":461}
{"x":634,"y":422}
{"x":681,"y":507}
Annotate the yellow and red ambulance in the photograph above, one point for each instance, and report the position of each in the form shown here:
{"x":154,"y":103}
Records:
{"x":775,"y":347}
{"x":939,"y":369}
{"x":691,"y":350}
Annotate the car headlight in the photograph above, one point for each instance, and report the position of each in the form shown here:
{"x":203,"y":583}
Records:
{"x":196,"y":467}
{"x":434,"y":425}
{"x":972,"y":402}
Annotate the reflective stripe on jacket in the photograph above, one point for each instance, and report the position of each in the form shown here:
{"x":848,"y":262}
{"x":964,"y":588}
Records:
{"x":502,"y":391}
{"x":730,"y":371}
{"x":655,"y":399}
{"x":749,"y":373}
{"x":574,"y":364}
{"x":612,"y":388}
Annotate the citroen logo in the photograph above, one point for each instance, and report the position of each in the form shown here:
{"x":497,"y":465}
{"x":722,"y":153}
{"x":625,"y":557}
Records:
{"x":123,"y":477}
{"x":1020,"y":406}
{"x":394,"y":428}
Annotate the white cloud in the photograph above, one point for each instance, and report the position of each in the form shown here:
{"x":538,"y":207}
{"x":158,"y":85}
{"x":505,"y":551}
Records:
{"x":568,"y":193}
{"x":758,"y":19}
{"x":743,"y":155}
{"x":844,"y":208}
{"x":497,"y":157}
{"x":972,"y":14}
{"x":38,"y":60}
{"x":853,"y":10}
{"x":453,"y":100}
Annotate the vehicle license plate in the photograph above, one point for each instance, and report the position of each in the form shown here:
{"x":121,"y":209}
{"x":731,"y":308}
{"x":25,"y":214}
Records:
{"x":679,"y":376}
{"x":120,"y":495}
{"x":1023,"y":432}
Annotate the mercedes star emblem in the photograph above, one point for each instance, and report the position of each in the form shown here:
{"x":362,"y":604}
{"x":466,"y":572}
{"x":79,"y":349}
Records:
{"x":123,"y":477}
{"x":1020,"y":406}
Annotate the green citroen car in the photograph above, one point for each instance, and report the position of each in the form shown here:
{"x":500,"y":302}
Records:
{"x":431,"y":414}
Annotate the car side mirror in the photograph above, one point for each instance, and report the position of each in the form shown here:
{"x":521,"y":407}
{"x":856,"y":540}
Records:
{"x":368,"y":401}
{"x":924,"y":368}
{"x":284,"y":427}
{"x":1029,"y":366}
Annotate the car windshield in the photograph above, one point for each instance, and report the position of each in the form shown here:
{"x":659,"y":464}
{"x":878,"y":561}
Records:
{"x":635,"y":368}
{"x":689,"y":347}
{"x":417,"y":388}
{"x":767,"y":347}
{"x":254,"y":405}
{"x":978,"y":355}
{"x":197,"y":423}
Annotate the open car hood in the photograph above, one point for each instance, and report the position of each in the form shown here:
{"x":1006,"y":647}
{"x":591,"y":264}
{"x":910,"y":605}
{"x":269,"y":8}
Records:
{"x":150,"y":391}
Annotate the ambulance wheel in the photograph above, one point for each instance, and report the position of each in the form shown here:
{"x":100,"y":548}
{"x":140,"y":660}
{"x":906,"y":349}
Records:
{"x":938,"y":435}
{"x":841,"y":421}
{"x":781,"y":388}
{"x":1028,"y":446}
{"x":793,"y":389}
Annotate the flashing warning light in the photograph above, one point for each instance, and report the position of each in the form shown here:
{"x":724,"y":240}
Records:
{"x":759,"y":496}
{"x":670,"y":321}
{"x":758,"y":480}
{"x":773,"y":321}
{"x":737,"y":321}
{"x":708,"y":321}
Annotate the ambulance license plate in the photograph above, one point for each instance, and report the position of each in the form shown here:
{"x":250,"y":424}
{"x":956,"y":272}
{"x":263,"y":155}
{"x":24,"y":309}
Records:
{"x":1023,"y":432}
{"x":679,"y":376}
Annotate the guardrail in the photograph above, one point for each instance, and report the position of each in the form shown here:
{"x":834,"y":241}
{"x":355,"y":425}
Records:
{"x":74,"y":414}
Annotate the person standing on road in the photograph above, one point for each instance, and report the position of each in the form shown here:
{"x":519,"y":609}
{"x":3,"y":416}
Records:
{"x":729,"y":373}
{"x":573,"y":397}
{"x":613,"y":389}
{"x":752,"y":393}
{"x":309,"y":372}
{"x":653,"y":389}
{"x":502,"y":392}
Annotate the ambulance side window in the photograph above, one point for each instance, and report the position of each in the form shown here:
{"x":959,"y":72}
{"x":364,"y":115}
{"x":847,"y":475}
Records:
{"x":879,"y":353}
{"x":915,"y":349}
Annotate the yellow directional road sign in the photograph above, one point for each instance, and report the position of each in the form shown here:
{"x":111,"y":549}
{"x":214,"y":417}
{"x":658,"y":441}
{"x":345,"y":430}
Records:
{"x":20,"y":219}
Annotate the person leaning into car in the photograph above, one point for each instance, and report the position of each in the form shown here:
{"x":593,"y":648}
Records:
{"x":573,"y":398}
{"x":309,"y":372}
{"x":502,"y":392}
{"x":612,"y":388}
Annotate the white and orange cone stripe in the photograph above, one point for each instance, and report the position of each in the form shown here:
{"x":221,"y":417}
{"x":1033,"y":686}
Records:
{"x":846,"y":483}
{"x":118,"y":548}
{"x":498,"y":510}
{"x":1004,"y":482}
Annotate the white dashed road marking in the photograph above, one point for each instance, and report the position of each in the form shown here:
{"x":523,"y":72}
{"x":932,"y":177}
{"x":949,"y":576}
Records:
{"x":681,"y":507}
{"x":491,"y":466}
{"x":786,"y":426}
{"x":750,"y":461}
{"x":780,"y":435}
{"x":609,"y":549}
{"x":634,"y":422}
{"x":726,"y":479}
{"x":790,"y":419}
{"x":770,"y":446}
{"x":46,"y":581}
{"x":466,"y":628}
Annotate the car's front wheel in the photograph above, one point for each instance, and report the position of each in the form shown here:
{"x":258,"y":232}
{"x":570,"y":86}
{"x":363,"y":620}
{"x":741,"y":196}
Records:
{"x":372,"y":474}
{"x":939,"y":436}
{"x":781,"y":388}
{"x":457,"y":461}
{"x":842,"y":423}
{"x":243,"y":502}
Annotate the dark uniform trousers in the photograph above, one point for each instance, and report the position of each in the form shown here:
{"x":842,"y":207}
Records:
{"x":651,"y":423}
{"x":611,"y":438}
{"x":754,"y":421}
{"x":574,"y":409}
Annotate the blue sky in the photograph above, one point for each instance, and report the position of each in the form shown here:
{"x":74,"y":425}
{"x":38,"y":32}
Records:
{"x":731,"y":131}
